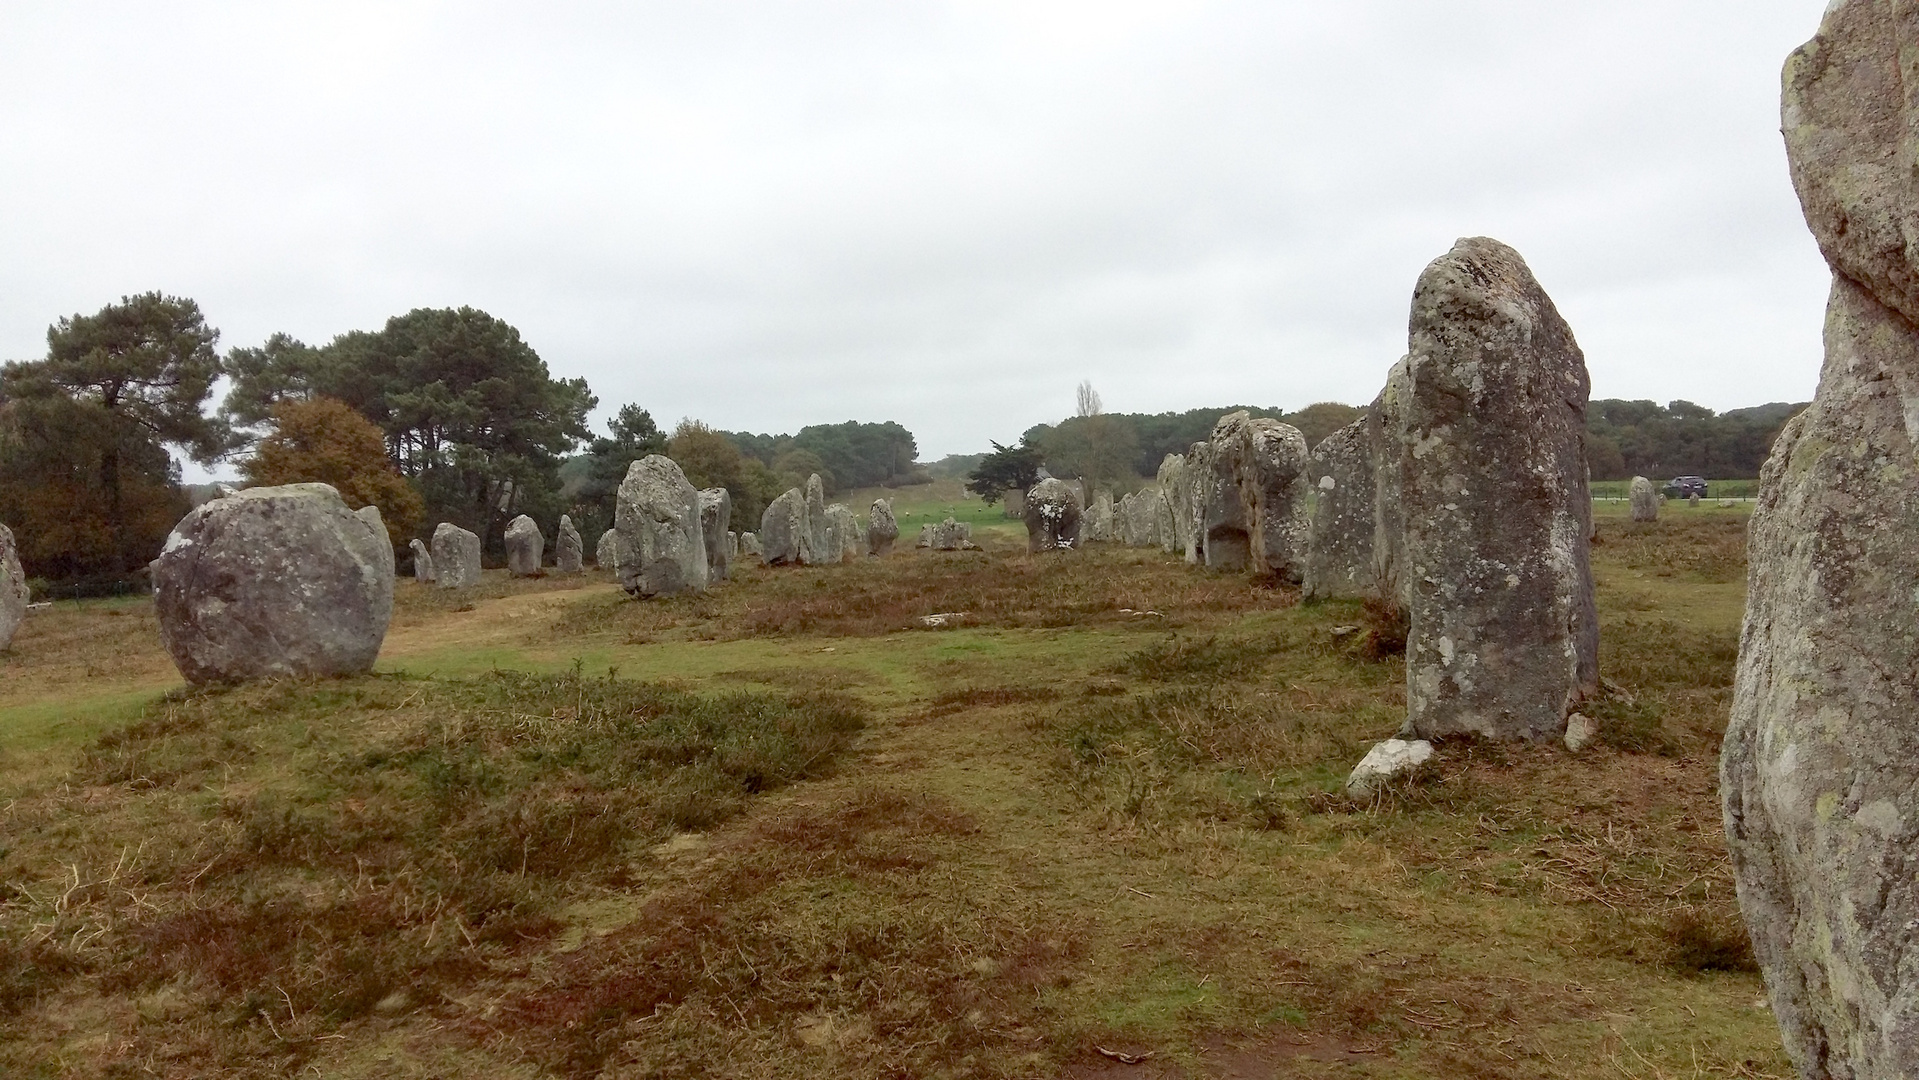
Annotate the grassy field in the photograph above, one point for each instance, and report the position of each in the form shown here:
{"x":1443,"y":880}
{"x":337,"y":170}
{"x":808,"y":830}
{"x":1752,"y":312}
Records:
{"x":1720,"y":489}
{"x":1092,"y":827}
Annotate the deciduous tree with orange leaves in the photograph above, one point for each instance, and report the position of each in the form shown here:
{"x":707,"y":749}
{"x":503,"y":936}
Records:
{"x":323,"y":440}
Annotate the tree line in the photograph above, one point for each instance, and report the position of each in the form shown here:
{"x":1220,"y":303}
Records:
{"x":440,"y":415}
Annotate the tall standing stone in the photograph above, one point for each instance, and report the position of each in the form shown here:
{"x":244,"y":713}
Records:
{"x":948,"y":535}
{"x":1645,"y":500}
{"x":1099,"y":518}
{"x":569,"y":551}
{"x":422,"y":562}
{"x":716,"y":510}
{"x":1504,"y":637}
{"x":1143,"y":518}
{"x":1052,"y":516}
{"x":525,"y":547}
{"x":1386,"y":435}
{"x":273,"y":581}
{"x":817,"y":550}
{"x":1273,"y":492}
{"x":843,"y":540}
{"x":13,"y":588}
{"x":606,"y":553}
{"x":882,"y":528}
{"x":1820,"y":768}
{"x":456,"y":556}
{"x":1175,"y":520}
{"x":785,"y":534}
{"x":662,"y":550}
{"x":1339,"y":551}
{"x":732,"y":545}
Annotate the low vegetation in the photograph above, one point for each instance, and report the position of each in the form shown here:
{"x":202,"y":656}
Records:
{"x":1094,"y":829}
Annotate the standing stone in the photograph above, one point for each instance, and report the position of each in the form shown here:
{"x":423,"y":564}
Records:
{"x":1015,"y":504}
{"x":1143,"y":518}
{"x":606,"y":553}
{"x":1225,"y":537}
{"x":456,"y":556}
{"x":1099,"y":518}
{"x":371,"y":515}
{"x":1052,"y":516}
{"x":817,"y":550}
{"x":785,"y":535}
{"x":1504,"y":638}
{"x":1273,"y":490}
{"x":1386,"y":435}
{"x":844,"y":543}
{"x":569,"y":551}
{"x":525,"y":547}
{"x":662,"y":550}
{"x":716,"y":509}
{"x":882,"y":528}
{"x":422,"y":562}
{"x":1692,"y":499}
{"x":732,"y":545}
{"x":1174,"y":521}
{"x":948,"y":535}
{"x":1339,"y":553}
{"x":13,"y":588}
{"x":750,"y":544}
{"x":1645,"y":501}
{"x":274,"y":581}
{"x":1820,"y":768}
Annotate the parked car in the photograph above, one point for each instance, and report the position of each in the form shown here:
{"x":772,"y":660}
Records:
{"x":1682,"y":487}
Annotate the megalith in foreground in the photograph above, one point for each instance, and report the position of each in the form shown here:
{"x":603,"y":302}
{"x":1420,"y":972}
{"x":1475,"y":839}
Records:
{"x":1819,"y":771}
{"x":786,"y":533}
{"x":273,"y":581}
{"x":1339,"y":546}
{"x":525,"y":547}
{"x":456,"y":556}
{"x":882,"y":528}
{"x":1645,"y":501}
{"x":716,"y":510}
{"x":13,"y":588}
{"x":569,"y":551}
{"x":1504,"y":637}
{"x":661,"y":549}
{"x":1052,"y":516}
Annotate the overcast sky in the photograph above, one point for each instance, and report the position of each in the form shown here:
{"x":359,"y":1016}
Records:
{"x":765,"y":215}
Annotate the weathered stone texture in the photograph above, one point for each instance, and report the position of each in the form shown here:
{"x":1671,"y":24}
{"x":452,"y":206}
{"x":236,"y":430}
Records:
{"x":569,"y":551}
{"x":1174,"y":510}
{"x":422,"y":562}
{"x":843,"y":539}
{"x":1820,"y":768}
{"x":785,"y":535}
{"x":1272,"y":490}
{"x":716,"y":509}
{"x":525,"y":547}
{"x":606,"y":553}
{"x":1386,"y":436}
{"x":882,"y":528}
{"x":1052,"y":516}
{"x":948,"y":535}
{"x":1504,"y":635}
{"x":13,"y":588}
{"x":750,"y":544}
{"x":662,"y":551}
{"x":1645,"y":500}
{"x":1339,"y":553}
{"x":274,"y":581}
{"x":456,"y":556}
{"x":817,"y":550}
{"x":1098,"y":523}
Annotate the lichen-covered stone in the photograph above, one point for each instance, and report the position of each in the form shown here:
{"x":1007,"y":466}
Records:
{"x":882,"y":528}
{"x":1273,"y":491}
{"x":662,"y":551}
{"x":1385,"y":762}
{"x":1143,"y":518}
{"x":1504,"y":635}
{"x":1098,"y":523}
{"x":422,"y":562}
{"x":569,"y":551}
{"x":1386,"y":435}
{"x":816,"y":550}
{"x":1645,"y":500}
{"x":1174,"y":510}
{"x":716,"y":509}
{"x":1052,"y":516}
{"x":785,"y":534}
{"x":274,"y":581}
{"x":606,"y":553}
{"x":843,"y":539}
{"x":525,"y":547}
{"x":750,"y":544}
{"x":1339,"y":551}
{"x":948,"y":535}
{"x":13,"y":589}
{"x":456,"y":556}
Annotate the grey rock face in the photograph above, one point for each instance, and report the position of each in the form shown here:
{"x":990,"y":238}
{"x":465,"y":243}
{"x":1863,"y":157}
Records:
{"x":1273,"y":492}
{"x":1504,"y":635}
{"x":274,"y":581}
{"x":371,"y":515}
{"x":1175,"y":519}
{"x":732,"y":545}
{"x":1386,"y":434}
{"x":13,"y":588}
{"x":422,"y":562}
{"x":882,"y":528}
{"x":1339,"y":552}
{"x":1819,"y":773}
{"x":785,"y":533}
{"x":750,"y":544}
{"x":569,"y":551}
{"x":817,"y":549}
{"x":716,"y":509}
{"x":1099,"y":519}
{"x":1052,"y":516}
{"x":1645,"y":501}
{"x":1143,"y":518}
{"x":456,"y":556}
{"x":662,"y":551}
{"x":948,"y":535}
{"x":525,"y":547}
{"x":606,"y":553}
{"x":843,"y":539}
{"x":1224,"y":537}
